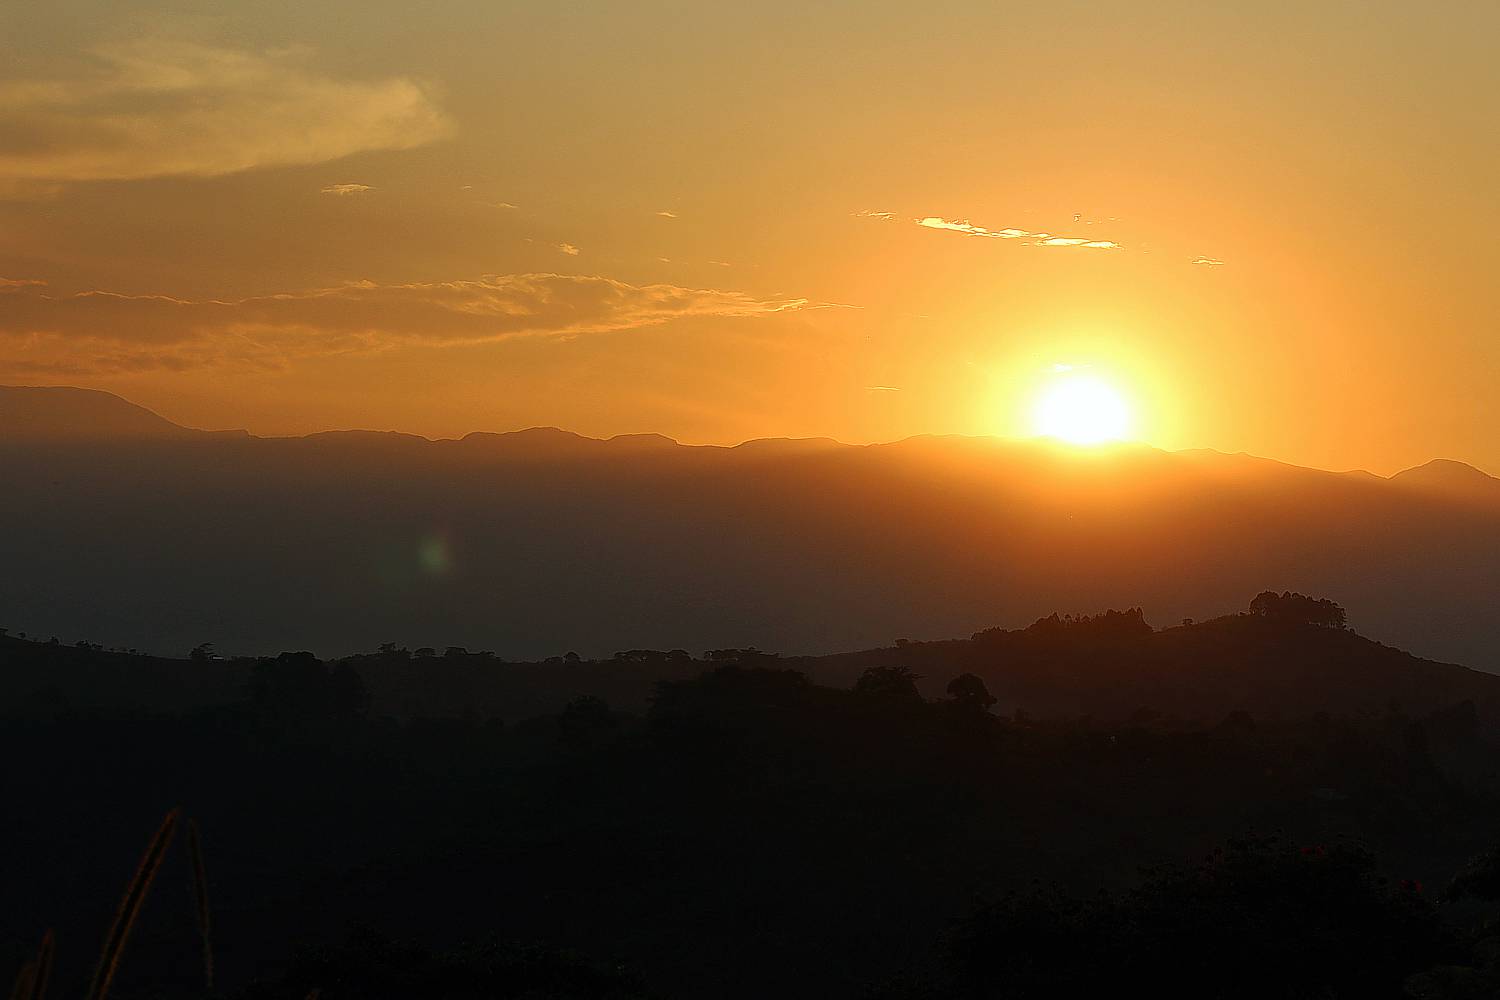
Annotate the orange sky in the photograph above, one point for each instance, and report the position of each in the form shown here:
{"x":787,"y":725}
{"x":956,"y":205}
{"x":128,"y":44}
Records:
{"x":709,"y":222}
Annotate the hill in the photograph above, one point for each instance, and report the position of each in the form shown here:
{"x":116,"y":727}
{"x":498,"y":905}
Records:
{"x":1453,"y":481}
{"x":1113,"y":668}
{"x":748,"y":826}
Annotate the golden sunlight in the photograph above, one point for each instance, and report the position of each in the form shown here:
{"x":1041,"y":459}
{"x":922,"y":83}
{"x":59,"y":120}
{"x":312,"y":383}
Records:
{"x":1081,"y":409}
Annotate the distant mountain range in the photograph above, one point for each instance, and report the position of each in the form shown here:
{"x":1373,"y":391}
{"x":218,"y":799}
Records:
{"x":124,"y":528}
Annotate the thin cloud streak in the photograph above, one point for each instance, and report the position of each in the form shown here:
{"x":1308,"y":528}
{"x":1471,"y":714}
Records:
{"x":109,"y":331}
{"x":346,"y":189}
{"x":1027,"y":238}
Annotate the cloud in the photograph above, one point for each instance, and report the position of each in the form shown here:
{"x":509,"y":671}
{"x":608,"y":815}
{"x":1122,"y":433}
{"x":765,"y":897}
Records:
{"x":667,"y":215}
{"x":882,"y":388}
{"x":967,"y":227}
{"x":1028,"y":238}
{"x":9,"y":283}
{"x":1209,"y":261}
{"x":344,"y":189}
{"x":161,"y":108}
{"x":882,"y":216}
{"x":95,"y":331}
{"x":569,"y":249}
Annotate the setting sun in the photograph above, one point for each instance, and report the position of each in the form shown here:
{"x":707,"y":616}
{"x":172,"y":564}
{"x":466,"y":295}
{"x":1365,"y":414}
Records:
{"x":1081,"y":409}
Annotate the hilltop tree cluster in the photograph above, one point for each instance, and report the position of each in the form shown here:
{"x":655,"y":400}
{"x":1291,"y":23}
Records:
{"x":1291,"y":607}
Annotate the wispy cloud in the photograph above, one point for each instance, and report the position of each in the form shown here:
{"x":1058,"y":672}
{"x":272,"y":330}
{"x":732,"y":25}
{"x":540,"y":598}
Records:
{"x":108,"y":331}
{"x":882,"y":216}
{"x":1027,"y":237}
{"x":1074,"y":241}
{"x":1209,"y":261}
{"x":882,"y":388}
{"x":968,"y":228}
{"x":158,"y":108}
{"x":346,"y":189}
{"x":665,"y":214}
{"x":569,"y":249}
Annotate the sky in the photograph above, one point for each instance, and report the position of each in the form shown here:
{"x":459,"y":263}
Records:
{"x":1269,"y":227}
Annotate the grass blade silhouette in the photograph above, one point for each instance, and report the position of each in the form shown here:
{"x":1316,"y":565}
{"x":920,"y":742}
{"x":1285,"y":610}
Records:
{"x":43,"y":968}
{"x":200,"y":902}
{"x":25,"y":983}
{"x":130,"y":906}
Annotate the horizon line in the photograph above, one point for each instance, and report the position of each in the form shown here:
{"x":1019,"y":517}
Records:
{"x":1054,"y":445}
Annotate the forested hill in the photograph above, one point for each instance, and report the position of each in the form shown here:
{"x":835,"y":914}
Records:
{"x":954,"y":819}
{"x":1112,"y":667}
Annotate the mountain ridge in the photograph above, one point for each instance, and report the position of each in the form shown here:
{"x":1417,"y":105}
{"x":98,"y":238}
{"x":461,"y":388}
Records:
{"x":70,"y":412}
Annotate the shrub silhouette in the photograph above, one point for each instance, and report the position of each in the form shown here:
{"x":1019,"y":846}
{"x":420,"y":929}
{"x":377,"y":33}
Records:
{"x":371,"y":966}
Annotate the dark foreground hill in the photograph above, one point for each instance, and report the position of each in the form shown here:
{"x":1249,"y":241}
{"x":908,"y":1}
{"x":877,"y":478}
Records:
{"x":1257,"y":806}
{"x":1109,"y":667}
{"x":123,"y":529}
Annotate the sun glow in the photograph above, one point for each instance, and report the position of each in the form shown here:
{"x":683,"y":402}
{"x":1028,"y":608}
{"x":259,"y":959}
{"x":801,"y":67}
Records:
{"x":1081,"y":409}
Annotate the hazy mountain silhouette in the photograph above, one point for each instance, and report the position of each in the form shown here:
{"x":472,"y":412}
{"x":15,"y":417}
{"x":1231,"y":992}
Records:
{"x":1450,"y":480}
{"x":528,"y":543}
{"x":59,"y":412}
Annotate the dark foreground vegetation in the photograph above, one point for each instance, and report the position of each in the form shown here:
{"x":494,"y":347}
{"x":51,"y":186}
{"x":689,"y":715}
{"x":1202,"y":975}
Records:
{"x":1260,"y":806}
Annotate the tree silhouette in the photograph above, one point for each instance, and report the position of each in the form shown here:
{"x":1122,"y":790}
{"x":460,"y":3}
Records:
{"x":299,"y":689}
{"x":1297,"y":608}
{"x":889,"y":684}
{"x":968,"y":691}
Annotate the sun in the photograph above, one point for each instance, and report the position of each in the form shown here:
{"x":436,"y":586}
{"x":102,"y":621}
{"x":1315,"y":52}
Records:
{"x":1081,"y":409}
